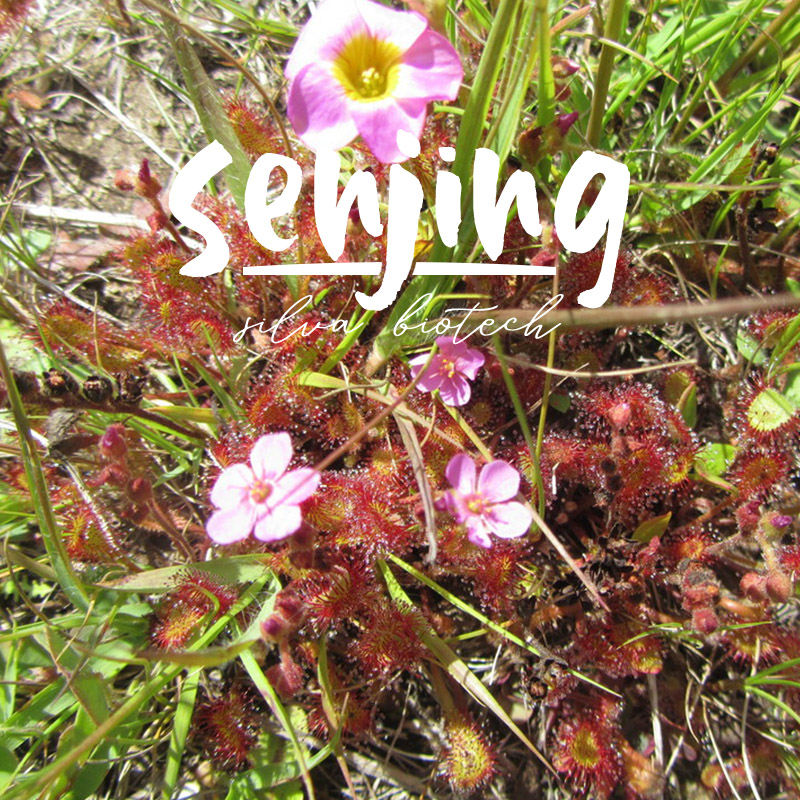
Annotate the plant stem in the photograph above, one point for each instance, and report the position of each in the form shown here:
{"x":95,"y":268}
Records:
{"x":519,"y":409}
{"x":545,"y":111}
{"x":613,"y":29}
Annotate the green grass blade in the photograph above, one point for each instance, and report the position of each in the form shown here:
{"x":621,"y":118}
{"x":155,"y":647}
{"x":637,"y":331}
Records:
{"x":457,"y":669}
{"x":180,"y":730}
{"x":206,"y":101}
{"x":469,"y":138}
{"x":53,"y":541}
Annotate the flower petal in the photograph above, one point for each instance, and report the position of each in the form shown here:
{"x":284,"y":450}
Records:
{"x":378,"y":123}
{"x":509,"y":520}
{"x":319,"y":109}
{"x":478,"y":533}
{"x":330,"y":27}
{"x":455,"y":391}
{"x":279,"y":523}
{"x":469,"y":362}
{"x":295,"y":486}
{"x":461,"y":474}
{"x":231,"y":524}
{"x":232,"y":486}
{"x":417,"y":363}
{"x":431,"y":378}
{"x":430,"y":70}
{"x":401,"y":28}
{"x":448,"y":346}
{"x":271,"y":455}
{"x":498,"y":481}
{"x":457,"y":507}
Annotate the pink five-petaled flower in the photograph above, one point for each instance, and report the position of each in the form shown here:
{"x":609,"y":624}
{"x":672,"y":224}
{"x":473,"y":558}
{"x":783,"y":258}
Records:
{"x":449,"y":370}
{"x":359,"y":67}
{"x":485,"y":503}
{"x":262,"y":497}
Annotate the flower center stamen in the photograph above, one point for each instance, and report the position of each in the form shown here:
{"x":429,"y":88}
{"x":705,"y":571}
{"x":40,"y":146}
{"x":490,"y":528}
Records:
{"x":371,"y":82}
{"x":447,"y":368}
{"x":260,"y":492}
{"x":476,"y":504}
{"x":367,"y":68}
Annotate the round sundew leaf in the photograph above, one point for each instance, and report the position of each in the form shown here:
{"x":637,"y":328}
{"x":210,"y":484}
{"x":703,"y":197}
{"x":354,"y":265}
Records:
{"x":769,"y":411}
{"x":715,"y":458}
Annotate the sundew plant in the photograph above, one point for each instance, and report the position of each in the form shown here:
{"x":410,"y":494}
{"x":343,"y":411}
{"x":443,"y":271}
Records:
{"x":262,"y":538}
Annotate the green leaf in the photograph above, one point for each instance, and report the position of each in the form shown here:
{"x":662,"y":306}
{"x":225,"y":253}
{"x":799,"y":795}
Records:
{"x":205,"y":97}
{"x":234,"y":569}
{"x":750,"y":348}
{"x":788,"y":339}
{"x":688,"y":407}
{"x":792,"y":388}
{"x":651,"y":528}
{"x":560,"y":402}
{"x":769,"y":410}
{"x":8,"y":766}
{"x":51,"y":534}
{"x":180,"y":730}
{"x":301,"y":755}
{"x":715,"y":458}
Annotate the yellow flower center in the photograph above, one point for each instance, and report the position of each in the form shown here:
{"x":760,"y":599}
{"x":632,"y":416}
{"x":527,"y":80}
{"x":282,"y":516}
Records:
{"x":367,"y":68}
{"x":447,"y":368}
{"x":260,"y":491}
{"x":476,"y":505}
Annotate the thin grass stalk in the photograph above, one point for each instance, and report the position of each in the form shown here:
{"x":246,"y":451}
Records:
{"x":48,"y":526}
{"x":469,"y":138}
{"x":767,"y":36}
{"x":522,"y":417}
{"x":613,"y":30}
{"x":547,"y":90}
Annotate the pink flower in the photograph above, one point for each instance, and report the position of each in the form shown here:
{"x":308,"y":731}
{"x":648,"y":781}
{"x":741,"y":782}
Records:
{"x":263,"y":496}
{"x":449,"y":370}
{"x":359,"y":67}
{"x":486,"y":505}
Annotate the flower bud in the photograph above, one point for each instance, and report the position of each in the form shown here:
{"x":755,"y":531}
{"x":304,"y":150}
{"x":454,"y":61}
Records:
{"x":771,"y":528}
{"x":146,"y":184}
{"x":125,"y":180}
{"x":778,"y":586}
{"x":620,"y":415}
{"x":286,"y":677}
{"x":747,"y":517}
{"x":274,"y":628}
{"x":291,"y":608}
{"x":140,"y":491}
{"x":112,"y":444}
{"x":157,"y":221}
{"x":753,"y":586}
{"x":530,"y":145}
{"x":58,"y":383}
{"x":27,"y":384}
{"x":98,"y":389}
{"x":699,"y":589}
{"x":564,"y":67}
{"x":565,"y":121}
{"x":704,"y":620}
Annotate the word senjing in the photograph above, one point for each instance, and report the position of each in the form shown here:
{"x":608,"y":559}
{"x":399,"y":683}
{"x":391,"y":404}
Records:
{"x":405,"y":199}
